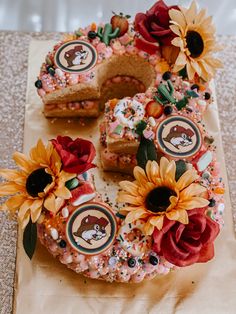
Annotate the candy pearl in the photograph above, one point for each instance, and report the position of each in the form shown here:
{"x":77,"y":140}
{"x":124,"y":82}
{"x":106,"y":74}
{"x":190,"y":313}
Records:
{"x":62,"y":244}
{"x":153,"y":260}
{"x":207,"y":96}
{"x":201,"y":102}
{"x":59,"y":72}
{"x":65,"y":212}
{"x":51,"y":71}
{"x":152,"y":121}
{"x":195,"y":86}
{"x":112,"y":261}
{"x":212,"y":202}
{"x":166,"y":76}
{"x":206,"y":175}
{"x":221,"y":208}
{"x":168,"y":110}
{"x":92,"y":34}
{"x":131,"y":262}
{"x":54,"y":233}
{"x":38,"y":84}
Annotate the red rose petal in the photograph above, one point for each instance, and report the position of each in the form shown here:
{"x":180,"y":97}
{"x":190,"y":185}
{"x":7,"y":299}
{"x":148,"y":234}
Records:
{"x":144,"y":45}
{"x":144,"y":32}
{"x":193,"y":247}
{"x":169,"y":247}
{"x":179,"y":232}
{"x":76,"y":156}
{"x":206,"y":253}
{"x":211,"y":231}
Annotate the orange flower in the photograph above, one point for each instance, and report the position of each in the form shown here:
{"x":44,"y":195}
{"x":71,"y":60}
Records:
{"x":196,"y":41}
{"x":155,"y":194}
{"x":39,"y":183}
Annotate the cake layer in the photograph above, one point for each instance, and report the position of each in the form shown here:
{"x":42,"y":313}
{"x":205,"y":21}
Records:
{"x":116,"y":65}
{"x":123,"y":163}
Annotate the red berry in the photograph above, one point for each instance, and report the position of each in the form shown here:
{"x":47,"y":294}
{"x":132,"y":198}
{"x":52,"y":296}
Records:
{"x":121,"y":22}
{"x":154,"y":109}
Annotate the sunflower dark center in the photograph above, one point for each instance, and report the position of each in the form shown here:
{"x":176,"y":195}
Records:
{"x":195,"y":43}
{"x":37,"y":181}
{"x":159,"y":199}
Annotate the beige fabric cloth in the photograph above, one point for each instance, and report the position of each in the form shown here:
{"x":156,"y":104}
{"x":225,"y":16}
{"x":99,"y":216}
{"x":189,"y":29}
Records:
{"x":46,"y":286}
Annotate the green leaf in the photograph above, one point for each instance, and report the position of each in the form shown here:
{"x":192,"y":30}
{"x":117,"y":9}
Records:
{"x":183,"y":73}
{"x":72,"y":184}
{"x":181,"y":103}
{"x":192,"y":94}
{"x":146,"y":151}
{"x":30,"y":239}
{"x":140,"y":127}
{"x":181,"y":168}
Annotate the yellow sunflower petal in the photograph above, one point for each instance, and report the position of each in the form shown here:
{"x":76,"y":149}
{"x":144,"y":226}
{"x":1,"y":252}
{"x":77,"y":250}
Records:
{"x":191,"y":13}
{"x":36,"y":214}
{"x":140,"y":175}
{"x":23,"y":162}
{"x":49,"y":203}
{"x":190,"y":70}
{"x":183,"y":217}
{"x":193,"y":202}
{"x":157,"y":221}
{"x":173,"y":215}
{"x":192,"y":190}
{"x":9,"y":188}
{"x":127,"y":198}
{"x":39,"y":154}
{"x":144,"y":190}
{"x":148,"y":228}
{"x":181,"y":59}
{"x":135,"y":215}
{"x":178,"y":17}
{"x":152,"y":170}
{"x":25,"y":220}
{"x":11,"y":174}
{"x":129,"y":187}
{"x":25,"y":207}
{"x":178,"y":42}
{"x":186,"y":179}
{"x":163,"y":166}
{"x":15,"y":202}
{"x":175,"y":29}
{"x":63,"y":192}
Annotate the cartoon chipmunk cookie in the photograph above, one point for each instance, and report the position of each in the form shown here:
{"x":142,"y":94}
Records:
{"x":92,"y":228}
{"x":179,"y":136}
{"x":75,"y":56}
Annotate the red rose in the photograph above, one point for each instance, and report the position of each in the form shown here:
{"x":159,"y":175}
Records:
{"x":184,"y":245}
{"x":77,"y":155}
{"x":154,"y":25}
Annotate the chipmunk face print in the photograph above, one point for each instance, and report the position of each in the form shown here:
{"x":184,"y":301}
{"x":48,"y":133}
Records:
{"x":75,"y":56}
{"x":91,"y":228}
{"x":178,"y":136}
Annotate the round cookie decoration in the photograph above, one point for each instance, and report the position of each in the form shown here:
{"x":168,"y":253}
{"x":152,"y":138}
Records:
{"x":178,"y":136}
{"x":91,"y":228}
{"x":76,"y":56}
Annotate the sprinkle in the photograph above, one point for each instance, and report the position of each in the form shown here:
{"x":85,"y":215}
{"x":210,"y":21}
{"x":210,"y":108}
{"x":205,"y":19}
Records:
{"x":54,"y":233}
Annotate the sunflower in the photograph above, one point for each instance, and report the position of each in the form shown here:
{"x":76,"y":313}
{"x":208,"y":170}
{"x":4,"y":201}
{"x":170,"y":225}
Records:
{"x":195,"y":40}
{"x":155,"y":194}
{"x":39,"y":183}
